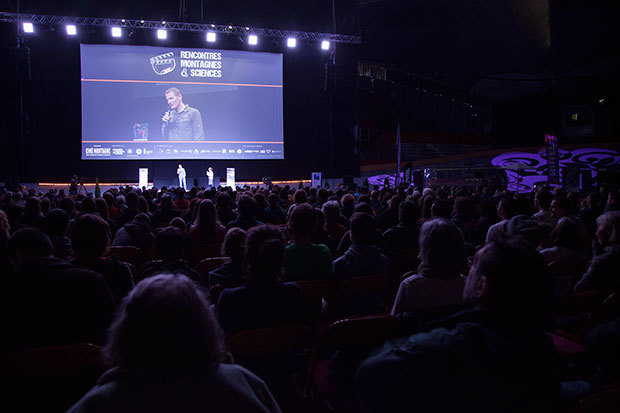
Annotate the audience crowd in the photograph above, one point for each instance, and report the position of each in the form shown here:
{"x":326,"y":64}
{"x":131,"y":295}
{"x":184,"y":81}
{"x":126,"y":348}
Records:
{"x":472,"y":271}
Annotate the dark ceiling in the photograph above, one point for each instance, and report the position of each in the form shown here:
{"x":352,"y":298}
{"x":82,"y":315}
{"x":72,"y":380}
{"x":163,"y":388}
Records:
{"x":476,"y":44}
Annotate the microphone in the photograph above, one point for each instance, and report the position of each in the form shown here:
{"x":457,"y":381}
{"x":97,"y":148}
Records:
{"x":169,"y":113}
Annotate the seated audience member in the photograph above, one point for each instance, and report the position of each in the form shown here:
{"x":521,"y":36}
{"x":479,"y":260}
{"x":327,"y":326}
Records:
{"x":464,"y":215}
{"x":170,"y":245}
{"x":5,"y":265}
{"x":135,"y":233}
{"x":207,"y":231}
{"x":223,"y":204}
{"x":404,"y":236}
{"x":601,"y":345}
{"x":32,"y":216}
{"x":560,"y":207}
{"x":526,"y":227}
{"x":441,"y":208}
{"x":113,"y":212}
{"x":304,"y":260}
{"x":57,"y":228}
{"x":132,"y":201}
{"x":389,"y":218}
{"x":246,"y":207}
{"x":363,"y":257}
{"x":274,"y":211}
{"x":166,"y":354}
{"x":494,"y":358}
{"x":104,"y":213}
{"x":320,"y":235}
{"x":264,"y":300}
{"x":261,"y":212}
{"x":439,"y":280}
{"x":542,"y":201}
{"x":233,"y":247}
{"x":331,"y":210}
{"x":506,"y":209}
{"x":603,"y":273}
{"x":90,"y":240}
{"x":568,"y":240}
{"x":49,"y":301}
{"x":181,"y":203}
{"x":165,"y":213}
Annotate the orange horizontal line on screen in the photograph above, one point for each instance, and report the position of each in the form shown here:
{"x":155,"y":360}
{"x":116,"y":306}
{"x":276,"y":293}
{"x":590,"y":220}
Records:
{"x":171,"y":142}
{"x":177,"y":82}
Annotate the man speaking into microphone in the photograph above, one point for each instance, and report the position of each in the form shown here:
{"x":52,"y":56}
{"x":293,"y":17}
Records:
{"x":181,"y":122}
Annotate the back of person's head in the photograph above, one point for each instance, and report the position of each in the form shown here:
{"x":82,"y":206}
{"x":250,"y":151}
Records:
{"x":132,"y":200}
{"x":32,"y":207}
{"x":102,"y":208}
{"x":28,"y":243}
{"x":508,"y":207}
{"x":567,"y":233}
{"x":260,"y":200}
{"x":331,"y":210}
{"x":301,"y":197}
{"x":561,"y":206}
{"x":273,"y":201}
{"x":143,"y":205}
{"x":246,"y":206}
{"x":109,"y":198}
{"x":395,"y":201}
{"x":88,"y":206}
{"x":303,"y":220}
{"x":206,"y":218}
{"x":166,"y":201}
{"x":544,"y":198}
{"x":608,"y":232}
{"x":165,"y":324}
{"x":56,"y":222}
{"x":90,"y":236}
{"x":526,"y":227}
{"x":442,"y":249}
{"x":234,"y":244}
{"x":510,"y":278}
{"x":465,"y":208}
{"x":364,"y":207}
{"x":178,"y":222}
{"x":348,"y":201}
{"x":170,"y":244}
{"x":363,"y":229}
{"x":408,"y":213}
{"x":442,"y":208}
{"x":264,"y":249}
{"x":222,"y":200}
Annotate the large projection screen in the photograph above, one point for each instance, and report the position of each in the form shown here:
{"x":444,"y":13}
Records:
{"x":143,"y":102}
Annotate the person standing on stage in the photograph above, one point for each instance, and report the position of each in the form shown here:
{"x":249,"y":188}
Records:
{"x":210,"y":176}
{"x":181,"y":122}
{"x":182,"y":175}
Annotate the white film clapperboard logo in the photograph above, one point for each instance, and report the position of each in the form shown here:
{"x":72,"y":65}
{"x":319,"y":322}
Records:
{"x":164,"y":63}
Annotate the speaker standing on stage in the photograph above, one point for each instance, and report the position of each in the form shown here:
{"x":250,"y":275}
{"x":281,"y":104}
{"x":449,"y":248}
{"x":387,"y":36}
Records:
{"x":181,"y":174}
{"x":210,"y":175}
{"x":181,"y":122}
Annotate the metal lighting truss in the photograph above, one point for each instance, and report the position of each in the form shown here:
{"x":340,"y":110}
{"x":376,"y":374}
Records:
{"x":186,"y":27}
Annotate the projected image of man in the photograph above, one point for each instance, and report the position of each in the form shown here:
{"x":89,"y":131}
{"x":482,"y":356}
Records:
{"x":181,"y":122}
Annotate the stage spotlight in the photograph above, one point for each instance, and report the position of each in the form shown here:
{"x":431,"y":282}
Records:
{"x":291,"y":42}
{"x":123,"y":20}
{"x":252,"y":39}
{"x":162,"y":34}
{"x":117,"y":32}
{"x":211,"y":37}
{"x":325,"y":45}
{"x":71,"y":30}
{"x":28,"y":27}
